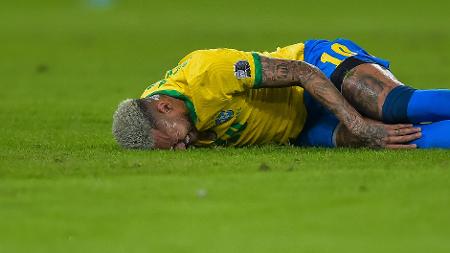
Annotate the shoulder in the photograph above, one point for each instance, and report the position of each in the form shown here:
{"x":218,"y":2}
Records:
{"x":207,"y":60}
{"x":212,"y":54}
{"x":291,"y":52}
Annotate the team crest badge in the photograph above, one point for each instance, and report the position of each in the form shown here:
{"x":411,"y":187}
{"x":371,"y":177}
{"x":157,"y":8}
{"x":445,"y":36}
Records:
{"x":242,"y":70}
{"x":224,"y":116}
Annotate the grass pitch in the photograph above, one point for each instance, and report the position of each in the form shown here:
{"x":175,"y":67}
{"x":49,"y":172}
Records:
{"x":66,"y":187}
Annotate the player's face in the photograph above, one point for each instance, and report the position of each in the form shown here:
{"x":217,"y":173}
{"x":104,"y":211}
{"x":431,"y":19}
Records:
{"x":174,"y":129}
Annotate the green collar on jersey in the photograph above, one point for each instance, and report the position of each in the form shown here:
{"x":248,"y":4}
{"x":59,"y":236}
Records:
{"x":177,"y":94}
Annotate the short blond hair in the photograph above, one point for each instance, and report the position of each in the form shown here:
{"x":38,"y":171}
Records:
{"x":131,"y":125}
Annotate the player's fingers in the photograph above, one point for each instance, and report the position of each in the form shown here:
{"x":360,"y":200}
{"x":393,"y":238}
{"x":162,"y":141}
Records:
{"x":401,"y":146}
{"x":403,"y":138}
{"x":403,"y":131}
{"x":398,"y":126}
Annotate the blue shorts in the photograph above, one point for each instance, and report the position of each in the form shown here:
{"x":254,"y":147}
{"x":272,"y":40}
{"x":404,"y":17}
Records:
{"x":334,"y":59}
{"x":319,"y":127}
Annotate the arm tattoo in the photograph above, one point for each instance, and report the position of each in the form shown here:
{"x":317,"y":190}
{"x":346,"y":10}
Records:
{"x":324,"y":91}
{"x":285,"y":73}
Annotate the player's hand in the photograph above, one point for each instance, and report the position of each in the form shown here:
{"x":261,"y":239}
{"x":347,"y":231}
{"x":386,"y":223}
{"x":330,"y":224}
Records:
{"x":399,"y":136}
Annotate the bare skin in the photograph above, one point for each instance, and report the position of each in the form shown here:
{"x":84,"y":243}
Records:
{"x":344,"y":138}
{"x":172,"y":128}
{"x":285,"y":73}
{"x":366,"y":88}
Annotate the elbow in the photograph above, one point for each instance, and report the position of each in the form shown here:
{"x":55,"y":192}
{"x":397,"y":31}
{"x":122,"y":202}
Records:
{"x":311,"y":75}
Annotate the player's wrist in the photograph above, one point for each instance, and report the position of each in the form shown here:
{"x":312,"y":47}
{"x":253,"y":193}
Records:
{"x":357,"y":125}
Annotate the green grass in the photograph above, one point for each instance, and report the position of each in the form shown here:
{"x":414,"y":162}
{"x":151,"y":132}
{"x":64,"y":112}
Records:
{"x":66,"y":187}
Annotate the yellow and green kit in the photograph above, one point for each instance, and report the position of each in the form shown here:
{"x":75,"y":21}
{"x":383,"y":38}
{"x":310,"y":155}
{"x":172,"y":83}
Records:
{"x":221,"y":89}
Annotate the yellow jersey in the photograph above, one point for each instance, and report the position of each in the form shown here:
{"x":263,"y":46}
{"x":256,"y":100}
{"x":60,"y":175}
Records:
{"x":220,"y":88}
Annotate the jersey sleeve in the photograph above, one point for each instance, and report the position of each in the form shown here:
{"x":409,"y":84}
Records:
{"x":226,"y":71}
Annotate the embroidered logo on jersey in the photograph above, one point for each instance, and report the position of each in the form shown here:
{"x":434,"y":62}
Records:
{"x":242,"y":70}
{"x":224,"y":116}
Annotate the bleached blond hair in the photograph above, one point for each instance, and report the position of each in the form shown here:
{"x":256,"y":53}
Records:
{"x":131,"y":125}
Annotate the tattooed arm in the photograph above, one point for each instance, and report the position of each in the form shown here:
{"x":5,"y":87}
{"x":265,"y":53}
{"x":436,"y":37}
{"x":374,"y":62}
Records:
{"x":284,"y":73}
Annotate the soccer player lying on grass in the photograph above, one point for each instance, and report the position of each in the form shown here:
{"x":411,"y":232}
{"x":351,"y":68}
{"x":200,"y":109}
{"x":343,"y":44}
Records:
{"x":318,"y":93}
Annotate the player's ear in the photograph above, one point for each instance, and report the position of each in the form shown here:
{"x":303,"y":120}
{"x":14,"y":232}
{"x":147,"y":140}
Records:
{"x":164,"y":106}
